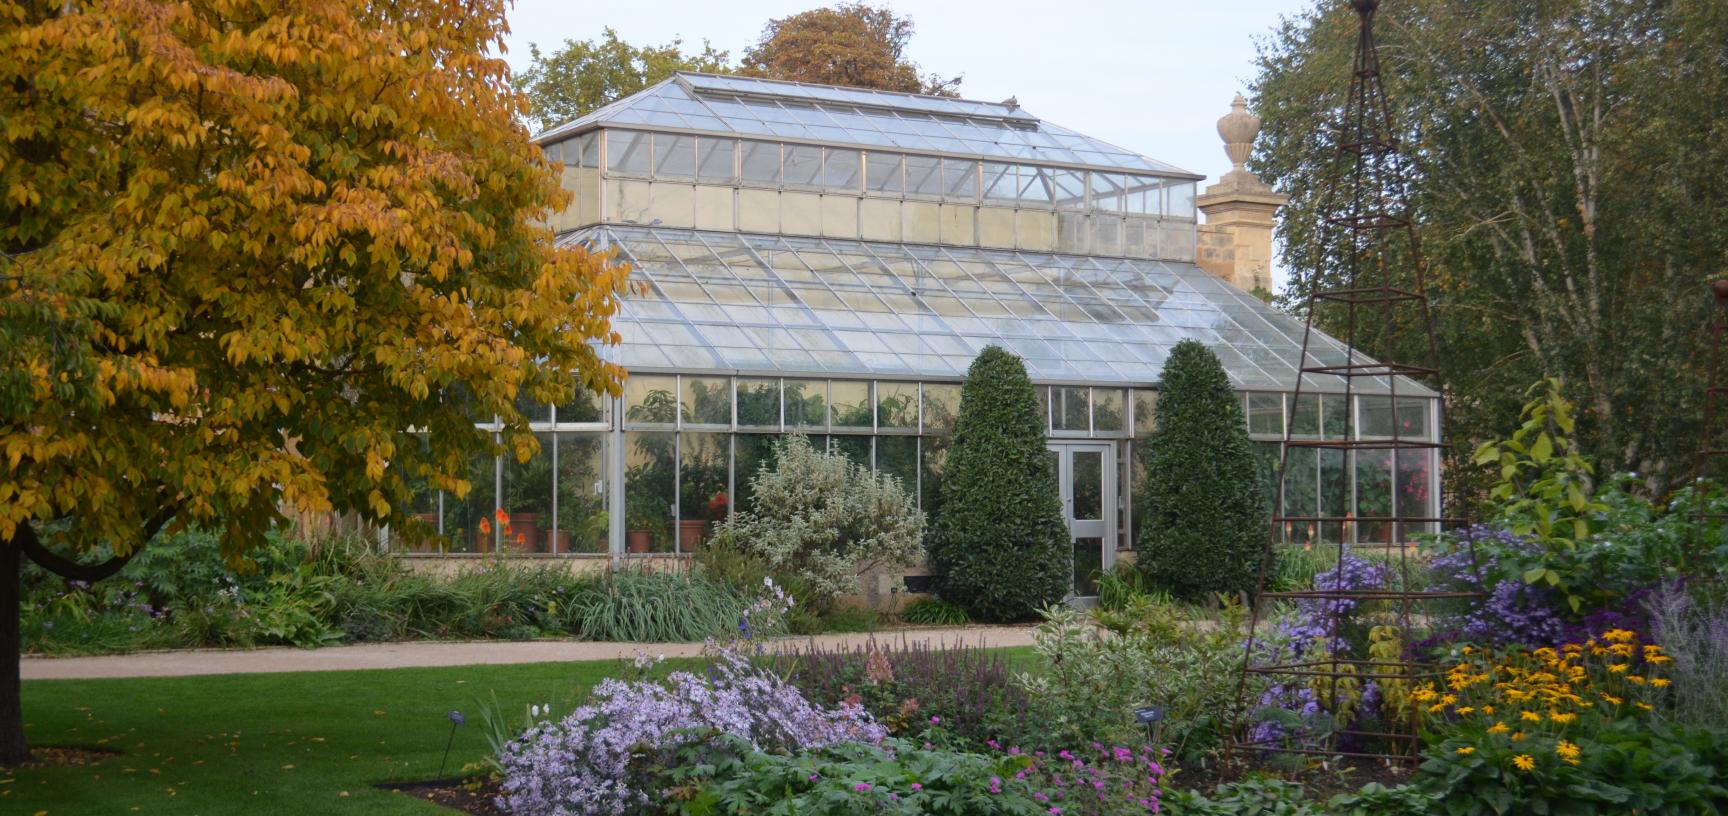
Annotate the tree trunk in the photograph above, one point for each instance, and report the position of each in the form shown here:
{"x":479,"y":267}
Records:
{"x":13,"y":749}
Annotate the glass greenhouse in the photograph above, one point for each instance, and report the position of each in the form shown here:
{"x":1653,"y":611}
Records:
{"x":829,"y":261}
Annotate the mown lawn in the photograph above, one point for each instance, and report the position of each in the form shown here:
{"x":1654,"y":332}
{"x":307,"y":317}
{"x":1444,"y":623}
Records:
{"x":303,"y":743}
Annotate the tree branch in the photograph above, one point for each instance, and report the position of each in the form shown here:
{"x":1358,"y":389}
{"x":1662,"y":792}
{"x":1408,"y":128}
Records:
{"x":71,"y":570}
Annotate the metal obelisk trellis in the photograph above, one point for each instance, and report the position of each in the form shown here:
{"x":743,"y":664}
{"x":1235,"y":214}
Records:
{"x":1368,"y":275}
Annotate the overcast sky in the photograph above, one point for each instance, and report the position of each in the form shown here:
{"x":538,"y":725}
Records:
{"x":1152,"y":76}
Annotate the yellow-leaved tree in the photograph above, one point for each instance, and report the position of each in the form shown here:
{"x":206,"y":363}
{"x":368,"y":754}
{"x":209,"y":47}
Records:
{"x":263,"y":256}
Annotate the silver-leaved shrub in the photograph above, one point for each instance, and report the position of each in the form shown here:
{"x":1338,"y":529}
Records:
{"x":820,"y":519}
{"x":598,"y":760}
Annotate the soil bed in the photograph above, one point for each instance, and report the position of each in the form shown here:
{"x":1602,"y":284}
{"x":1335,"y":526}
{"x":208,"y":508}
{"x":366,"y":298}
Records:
{"x":456,"y":794}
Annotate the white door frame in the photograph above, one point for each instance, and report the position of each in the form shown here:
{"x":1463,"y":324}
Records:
{"x":1103,"y":527}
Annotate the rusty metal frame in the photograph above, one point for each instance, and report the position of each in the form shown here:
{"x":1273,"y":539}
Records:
{"x":1362,"y":219}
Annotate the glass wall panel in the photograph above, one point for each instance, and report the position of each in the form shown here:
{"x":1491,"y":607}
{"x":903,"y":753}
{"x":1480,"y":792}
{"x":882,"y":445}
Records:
{"x":1266,"y":414}
{"x":1070,"y":186}
{"x":1107,"y":191}
{"x":648,"y":400}
{"x":650,"y":482}
{"x":1373,"y":494}
{"x":674,"y":156}
{"x":1036,"y":186}
{"x":1412,"y":418}
{"x":1069,"y":408}
{"x":1334,"y":493}
{"x":468,"y":522}
{"x":855,"y":447}
{"x":716,"y":160}
{"x":941,"y":404}
{"x":806,"y":404}
{"x":528,"y":500}
{"x":751,"y":453}
{"x":803,"y":167}
{"x":960,"y":179}
{"x":1335,"y":414}
{"x":1142,"y":195}
{"x":581,"y":487}
{"x":840,"y":171}
{"x":897,"y":456}
{"x":1145,"y":412}
{"x":1376,"y":414}
{"x":627,"y":153}
{"x":761,"y":163}
{"x":1268,"y":458}
{"x":1305,"y":416}
{"x":704,"y":462}
{"x":585,"y":406}
{"x":589,"y":146}
{"x":897,"y":406}
{"x":885,"y":173}
{"x":999,"y":183}
{"x":1182,"y":200}
{"x":933,"y":458}
{"x":1138,"y":508}
{"x":1413,"y":493}
{"x":705,"y":401}
{"x":850,"y":402}
{"x":924,"y":176}
{"x":1107,"y":415}
{"x":758,"y":403}
{"x":424,"y":508}
{"x":1301,"y":493}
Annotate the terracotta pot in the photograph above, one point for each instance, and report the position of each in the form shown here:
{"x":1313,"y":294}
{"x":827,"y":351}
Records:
{"x":691,"y":532}
{"x":524,"y":532}
{"x":639,"y":541}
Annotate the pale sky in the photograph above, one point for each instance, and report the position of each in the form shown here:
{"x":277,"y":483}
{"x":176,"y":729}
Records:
{"x":1152,"y":76}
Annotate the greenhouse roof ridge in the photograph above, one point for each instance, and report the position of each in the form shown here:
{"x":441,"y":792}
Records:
{"x":701,"y":82}
{"x":766,"y":109}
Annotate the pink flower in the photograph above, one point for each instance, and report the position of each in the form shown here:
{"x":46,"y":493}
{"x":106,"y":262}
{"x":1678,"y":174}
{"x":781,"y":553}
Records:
{"x":917,"y":787}
{"x":861,"y":787}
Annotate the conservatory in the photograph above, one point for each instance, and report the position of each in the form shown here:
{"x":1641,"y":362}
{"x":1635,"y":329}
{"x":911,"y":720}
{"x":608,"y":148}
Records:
{"x":829,"y":261}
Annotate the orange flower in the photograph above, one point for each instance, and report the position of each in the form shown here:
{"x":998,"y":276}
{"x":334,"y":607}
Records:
{"x":485,"y":527}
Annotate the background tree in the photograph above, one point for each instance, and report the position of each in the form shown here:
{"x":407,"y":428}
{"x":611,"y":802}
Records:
{"x":261,"y":257}
{"x":587,"y":74}
{"x":852,"y":44}
{"x":999,"y":545}
{"x":1570,"y":171}
{"x":1205,"y":498}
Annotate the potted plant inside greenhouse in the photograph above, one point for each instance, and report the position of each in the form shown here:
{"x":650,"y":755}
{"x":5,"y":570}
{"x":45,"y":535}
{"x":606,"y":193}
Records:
{"x":527,"y":492}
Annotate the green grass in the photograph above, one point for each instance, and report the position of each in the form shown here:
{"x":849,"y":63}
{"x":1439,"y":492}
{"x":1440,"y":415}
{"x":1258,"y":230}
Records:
{"x":261,"y":744}
{"x":299,"y":743}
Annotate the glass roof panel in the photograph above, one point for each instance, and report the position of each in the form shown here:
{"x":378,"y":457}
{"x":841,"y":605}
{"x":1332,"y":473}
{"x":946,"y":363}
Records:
{"x":813,"y":307}
{"x":746,"y":105}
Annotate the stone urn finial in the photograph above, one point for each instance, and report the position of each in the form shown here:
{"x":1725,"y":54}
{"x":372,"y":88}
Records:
{"x":1238,"y":129}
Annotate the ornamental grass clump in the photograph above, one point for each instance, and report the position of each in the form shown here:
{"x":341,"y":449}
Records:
{"x":1571,"y":729}
{"x":599,"y":760}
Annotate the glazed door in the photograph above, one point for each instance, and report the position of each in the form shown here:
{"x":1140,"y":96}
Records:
{"x":1086,"y":475}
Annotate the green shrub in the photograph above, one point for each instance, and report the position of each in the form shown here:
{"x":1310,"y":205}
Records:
{"x":819,"y":519}
{"x":999,"y":546}
{"x":1167,"y":657}
{"x":1205,"y":503}
{"x":934,"y":612}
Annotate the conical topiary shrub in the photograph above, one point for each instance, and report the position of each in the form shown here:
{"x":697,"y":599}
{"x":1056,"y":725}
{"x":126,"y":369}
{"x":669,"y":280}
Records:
{"x":999,"y":545}
{"x":1206,"y":518}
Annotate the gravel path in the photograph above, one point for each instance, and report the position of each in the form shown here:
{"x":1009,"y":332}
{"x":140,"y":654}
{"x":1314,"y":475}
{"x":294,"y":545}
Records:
{"x":468,"y":653}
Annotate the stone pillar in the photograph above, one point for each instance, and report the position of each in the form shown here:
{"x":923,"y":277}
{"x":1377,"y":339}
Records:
{"x":1235,"y":243}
